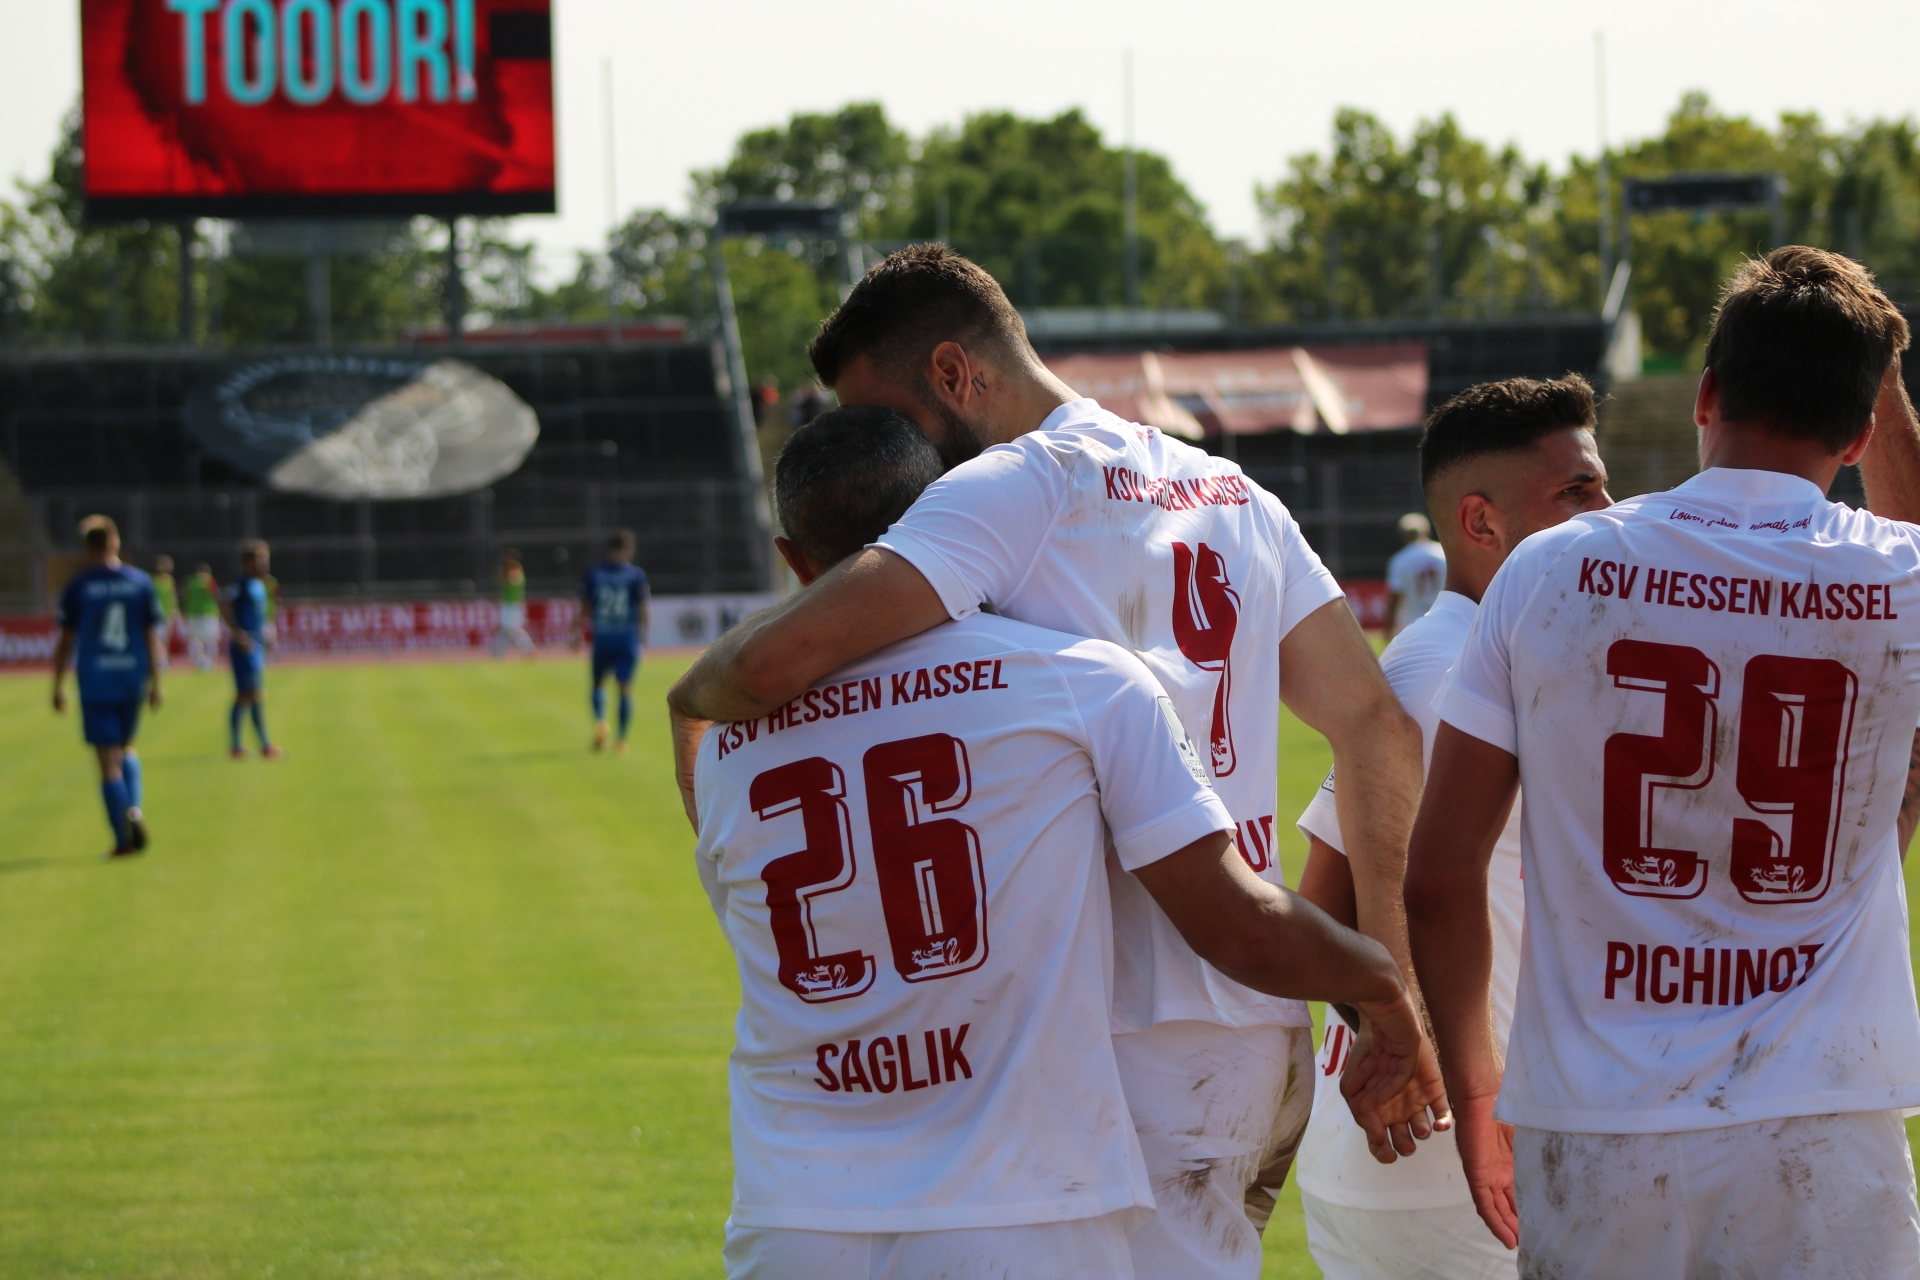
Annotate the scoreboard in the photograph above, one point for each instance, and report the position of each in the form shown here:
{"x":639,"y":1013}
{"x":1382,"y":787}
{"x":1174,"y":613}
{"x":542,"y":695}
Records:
{"x":316,"y":108}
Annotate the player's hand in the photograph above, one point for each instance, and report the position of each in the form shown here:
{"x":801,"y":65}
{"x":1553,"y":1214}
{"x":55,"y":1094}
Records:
{"x":244,"y":640}
{"x":1486,"y":1157}
{"x":153,"y":696}
{"x":59,"y":700}
{"x":1392,"y":1083}
{"x":687,"y":733}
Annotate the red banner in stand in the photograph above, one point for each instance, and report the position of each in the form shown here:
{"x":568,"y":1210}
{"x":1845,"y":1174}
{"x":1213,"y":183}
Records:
{"x":1368,"y":599}
{"x":27,"y":641}
{"x":433,"y":624}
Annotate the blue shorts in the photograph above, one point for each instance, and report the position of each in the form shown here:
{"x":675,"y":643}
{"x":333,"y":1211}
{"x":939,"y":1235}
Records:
{"x":619,"y":659}
{"x":249,"y":667}
{"x":109,"y":724}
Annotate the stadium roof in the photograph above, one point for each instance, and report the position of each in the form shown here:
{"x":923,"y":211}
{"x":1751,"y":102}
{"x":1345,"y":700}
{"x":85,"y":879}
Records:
{"x":1335,"y":389}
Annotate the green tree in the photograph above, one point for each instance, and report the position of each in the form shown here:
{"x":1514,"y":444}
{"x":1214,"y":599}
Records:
{"x":1040,"y":204}
{"x":1377,"y":228}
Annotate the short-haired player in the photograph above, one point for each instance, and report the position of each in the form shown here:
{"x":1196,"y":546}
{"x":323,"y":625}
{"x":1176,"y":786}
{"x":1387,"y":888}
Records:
{"x":1060,"y":514}
{"x":110,"y":631}
{"x":909,"y":861}
{"x":614,"y":613}
{"x":1498,"y":462}
{"x":1709,"y":695}
{"x":1415,"y":573}
{"x":246,"y":608}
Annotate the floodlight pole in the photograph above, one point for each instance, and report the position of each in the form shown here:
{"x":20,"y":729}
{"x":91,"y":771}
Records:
{"x":453,"y":300}
{"x":187,"y":318}
{"x":746,"y":429}
{"x":1132,"y":198}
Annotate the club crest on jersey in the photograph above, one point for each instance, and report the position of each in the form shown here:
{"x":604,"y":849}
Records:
{"x":1206,"y":612}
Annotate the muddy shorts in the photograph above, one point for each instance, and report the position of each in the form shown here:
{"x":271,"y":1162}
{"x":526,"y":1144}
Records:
{"x":1825,"y":1196}
{"x":1084,"y":1249}
{"x":1220,"y":1112}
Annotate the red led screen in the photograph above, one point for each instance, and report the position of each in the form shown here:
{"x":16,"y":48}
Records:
{"x":317,"y":107}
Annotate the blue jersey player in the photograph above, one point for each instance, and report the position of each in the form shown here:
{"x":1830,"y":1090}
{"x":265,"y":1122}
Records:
{"x":246,"y":608}
{"x":613,"y":618}
{"x":110,"y":631}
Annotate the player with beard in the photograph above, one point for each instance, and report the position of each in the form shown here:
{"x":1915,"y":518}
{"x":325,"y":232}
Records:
{"x":908,"y":861}
{"x":1081,"y":522}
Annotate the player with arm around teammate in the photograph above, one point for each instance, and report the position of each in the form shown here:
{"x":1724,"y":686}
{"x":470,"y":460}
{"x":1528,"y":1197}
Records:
{"x":908,"y":861}
{"x":614,"y":613}
{"x":245,"y":607}
{"x":1498,"y":462}
{"x":1715,"y":1031}
{"x":1081,"y":522}
{"x":110,"y":631}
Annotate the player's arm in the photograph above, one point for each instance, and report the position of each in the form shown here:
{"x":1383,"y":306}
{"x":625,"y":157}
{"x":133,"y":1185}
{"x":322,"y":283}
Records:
{"x":1327,"y":882}
{"x":62,"y":659}
{"x":228,"y":616}
{"x":864,"y":603}
{"x":1910,"y":801}
{"x":1273,"y":940}
{"x":1330,"y":678}
{"x":156,"y":655}
{"x":1470,"y":790}
{"x":1890,"y":468}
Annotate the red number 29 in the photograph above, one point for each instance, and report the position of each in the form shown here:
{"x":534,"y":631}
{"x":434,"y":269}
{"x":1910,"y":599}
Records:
{"x":932,"y":887}
{"x":1796,"y":724}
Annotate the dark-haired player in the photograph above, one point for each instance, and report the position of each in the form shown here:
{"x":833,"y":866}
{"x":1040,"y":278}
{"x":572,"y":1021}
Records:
{"x":1084,"y":523}
{"x":246,"y":607}
{"x":110,"y":631}
{"x":908,"y":861}
{"x":1498,"y":462}
{"x":1709,"y":694}
{"x":613,"y":619}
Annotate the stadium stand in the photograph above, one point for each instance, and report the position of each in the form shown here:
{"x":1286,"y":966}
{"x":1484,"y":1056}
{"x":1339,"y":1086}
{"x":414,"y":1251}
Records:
{"x":633,"y":434}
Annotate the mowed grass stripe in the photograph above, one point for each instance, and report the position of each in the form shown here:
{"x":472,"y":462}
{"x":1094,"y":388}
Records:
{"x":436,"y":995}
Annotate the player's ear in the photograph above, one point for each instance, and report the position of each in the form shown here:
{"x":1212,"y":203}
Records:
{"x":1855,"y":451}
{"x":796,"y":560}
{"x":1481,"y":523}
{"x":950,"y":371}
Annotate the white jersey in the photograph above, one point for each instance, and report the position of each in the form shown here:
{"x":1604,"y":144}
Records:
{"x":908,"y":861}
{"x":1334,"y":1162}
{"x":1711,"y":693}
{"x":1099,"y":527}
{"x":1418,"y":571}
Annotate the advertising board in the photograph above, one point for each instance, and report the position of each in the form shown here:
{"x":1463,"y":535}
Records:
{"x":317,"y":108}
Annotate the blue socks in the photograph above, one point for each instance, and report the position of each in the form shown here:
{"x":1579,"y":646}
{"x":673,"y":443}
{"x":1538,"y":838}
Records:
{"x":114,"y":792}
{"x":599,"y":705}
{"x":130,"y":774}
{"x":259,"y":714}
{"x":626,"y":714}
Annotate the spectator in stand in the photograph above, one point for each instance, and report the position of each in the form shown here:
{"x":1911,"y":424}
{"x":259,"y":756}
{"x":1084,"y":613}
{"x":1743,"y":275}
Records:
{"x":1415,"y":575}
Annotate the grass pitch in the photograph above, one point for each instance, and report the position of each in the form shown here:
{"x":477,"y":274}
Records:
{"x":436,"y":995}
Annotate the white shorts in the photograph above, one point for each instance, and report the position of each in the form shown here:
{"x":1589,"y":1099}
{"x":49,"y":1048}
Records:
{"x":1825,"y":1196}
{"x":1404,"y":1244}
{"x":1084,"y":1249}
{"x":1220,"y":1112}
{"x":513,"y":617}
{"x":204,"y":627}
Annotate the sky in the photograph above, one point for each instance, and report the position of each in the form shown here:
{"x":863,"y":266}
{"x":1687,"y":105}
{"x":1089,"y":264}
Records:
{"x":1228,"y":89}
